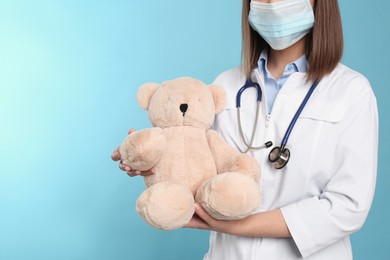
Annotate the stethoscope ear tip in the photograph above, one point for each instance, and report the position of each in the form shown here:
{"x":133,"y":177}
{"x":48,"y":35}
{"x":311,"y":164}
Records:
{"x":268,"y":144}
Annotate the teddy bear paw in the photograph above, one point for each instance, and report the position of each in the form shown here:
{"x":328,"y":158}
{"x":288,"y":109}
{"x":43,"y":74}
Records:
{"x":166,"y":205}
{"x":229,"y":196}
{"x":142,"y":149}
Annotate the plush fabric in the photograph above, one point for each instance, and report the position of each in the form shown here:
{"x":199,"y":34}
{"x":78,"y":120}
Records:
{"x":192,"y":162}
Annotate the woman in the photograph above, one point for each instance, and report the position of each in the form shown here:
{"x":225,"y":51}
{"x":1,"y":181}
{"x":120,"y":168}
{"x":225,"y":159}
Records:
{"x":311,"y":206}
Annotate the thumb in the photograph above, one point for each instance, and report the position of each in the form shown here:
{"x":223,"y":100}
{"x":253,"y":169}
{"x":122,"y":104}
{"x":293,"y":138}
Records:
{"x":116,"y":156}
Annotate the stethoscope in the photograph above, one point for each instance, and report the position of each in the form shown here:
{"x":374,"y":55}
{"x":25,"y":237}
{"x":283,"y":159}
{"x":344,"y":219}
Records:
{"x":279,"y":155}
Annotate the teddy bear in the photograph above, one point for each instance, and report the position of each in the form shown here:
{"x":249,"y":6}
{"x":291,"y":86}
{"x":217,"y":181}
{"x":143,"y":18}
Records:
{"x":192,"y":162}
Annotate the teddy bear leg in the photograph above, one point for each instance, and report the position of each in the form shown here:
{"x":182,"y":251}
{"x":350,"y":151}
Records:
{"x":229,"y":196}
{"x":166,"y":205}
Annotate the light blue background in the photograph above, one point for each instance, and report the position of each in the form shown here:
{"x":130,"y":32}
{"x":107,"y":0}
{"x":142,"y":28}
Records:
{"x":69,"y":71}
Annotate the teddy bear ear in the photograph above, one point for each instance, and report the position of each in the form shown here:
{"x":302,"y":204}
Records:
{"x":219,"y":97}
{"x":145,"y":93}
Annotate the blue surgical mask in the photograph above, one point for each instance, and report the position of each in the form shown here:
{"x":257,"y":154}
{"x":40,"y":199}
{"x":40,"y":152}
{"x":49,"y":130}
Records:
{"x":281,"y":24}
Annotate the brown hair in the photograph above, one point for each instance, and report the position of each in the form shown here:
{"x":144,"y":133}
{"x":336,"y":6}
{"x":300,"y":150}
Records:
{"x":324,"y":43}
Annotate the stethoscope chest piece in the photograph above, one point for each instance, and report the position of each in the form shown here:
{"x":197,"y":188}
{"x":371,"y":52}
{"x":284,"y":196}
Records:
{"x":279,"y":157}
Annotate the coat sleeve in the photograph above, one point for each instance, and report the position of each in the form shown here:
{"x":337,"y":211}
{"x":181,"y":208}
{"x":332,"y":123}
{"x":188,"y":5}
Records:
{"x":344,"y":203}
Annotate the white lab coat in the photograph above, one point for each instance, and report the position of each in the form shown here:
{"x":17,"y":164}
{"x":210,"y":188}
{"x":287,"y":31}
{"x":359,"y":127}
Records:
{"x":326,"y":189}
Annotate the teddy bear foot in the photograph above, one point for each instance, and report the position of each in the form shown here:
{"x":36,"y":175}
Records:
{"x":166,"y":205}
{"x":229,"y":196}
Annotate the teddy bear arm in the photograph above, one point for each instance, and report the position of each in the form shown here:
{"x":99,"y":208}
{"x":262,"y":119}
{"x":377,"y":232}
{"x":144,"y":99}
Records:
{"x":228,"y":159}
{"x":143,"y":149}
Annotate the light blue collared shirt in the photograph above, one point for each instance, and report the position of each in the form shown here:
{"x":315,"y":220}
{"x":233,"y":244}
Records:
{"x":273,"y":86}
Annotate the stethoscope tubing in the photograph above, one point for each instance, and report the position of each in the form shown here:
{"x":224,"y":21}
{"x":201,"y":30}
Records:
{"x":283,"y":154}
{"x":248,"y":84}
{"x":249,"y":146}
{"x":297,"y":114}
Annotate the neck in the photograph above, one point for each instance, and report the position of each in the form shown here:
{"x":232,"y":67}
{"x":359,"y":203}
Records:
{"x":278,"y":59}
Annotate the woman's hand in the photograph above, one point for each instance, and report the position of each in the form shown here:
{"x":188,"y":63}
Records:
{"x":265,"y":224}
{"x":202,"y":220}
{"x":116,"y":156}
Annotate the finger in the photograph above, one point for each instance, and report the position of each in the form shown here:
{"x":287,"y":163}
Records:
{"x":131,"y":131}
{"x":148,"y":172}
{"x":131,"y":173}
{"x":116,"y":156}
{"x":203,"y":214}
{"x":122,"y":167}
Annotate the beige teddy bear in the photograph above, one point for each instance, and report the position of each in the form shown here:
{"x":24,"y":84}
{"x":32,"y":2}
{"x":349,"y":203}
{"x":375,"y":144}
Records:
{"x":192,"y":162}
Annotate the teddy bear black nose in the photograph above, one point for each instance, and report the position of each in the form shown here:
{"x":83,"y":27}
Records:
{"x":183,"y":108}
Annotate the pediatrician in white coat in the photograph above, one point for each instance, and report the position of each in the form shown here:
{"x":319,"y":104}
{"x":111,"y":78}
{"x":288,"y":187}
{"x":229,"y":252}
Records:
{"x":324,"y":193}
{"x":311,"y":206}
